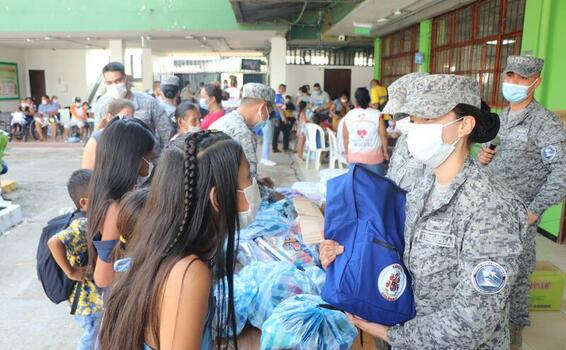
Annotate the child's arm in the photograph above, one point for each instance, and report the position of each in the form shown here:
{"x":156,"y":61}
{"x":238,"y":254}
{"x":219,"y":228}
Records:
{"x":103,"y":272}
{"x":57,"y":249}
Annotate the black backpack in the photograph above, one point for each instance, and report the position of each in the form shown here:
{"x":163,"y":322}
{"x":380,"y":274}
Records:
{"x":57,"y":286}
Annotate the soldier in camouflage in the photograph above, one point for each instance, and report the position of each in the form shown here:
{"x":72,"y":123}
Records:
{"x":531,"y":161}
{"x":258,"y":101}
{"x":463,"y":231}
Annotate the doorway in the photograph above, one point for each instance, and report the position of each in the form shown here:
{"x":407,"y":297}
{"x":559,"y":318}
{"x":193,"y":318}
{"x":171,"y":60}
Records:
{"x":37,"y":85}
{"x":337,"y":81}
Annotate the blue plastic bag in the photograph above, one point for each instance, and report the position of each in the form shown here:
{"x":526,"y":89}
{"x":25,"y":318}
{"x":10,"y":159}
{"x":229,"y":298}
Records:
{"x":317,"y":276}
{"x":275,"y":282}
{"x":300,"y":323}
{"x":243,"y":297}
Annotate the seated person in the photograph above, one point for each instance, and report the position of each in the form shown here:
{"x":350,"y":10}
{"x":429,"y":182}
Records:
{"x":47,"y":115}
{"x":118,"y":108}
{"x":187,"y":117}
{"x":79,"y":117}
{"x":18,"y":122}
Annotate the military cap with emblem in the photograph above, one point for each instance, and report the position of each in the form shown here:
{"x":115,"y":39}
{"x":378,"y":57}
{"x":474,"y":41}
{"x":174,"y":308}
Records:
{"x":398,"y":93}
{"x":260,"y":92}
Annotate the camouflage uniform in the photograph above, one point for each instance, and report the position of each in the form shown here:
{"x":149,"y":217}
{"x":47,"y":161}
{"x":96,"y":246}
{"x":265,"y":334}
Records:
{"x":462,"y":241}
{"x":531,"y":161}
{"x":148,"y":110}
{"x":452,"y":243}
{"x":233,"y":125}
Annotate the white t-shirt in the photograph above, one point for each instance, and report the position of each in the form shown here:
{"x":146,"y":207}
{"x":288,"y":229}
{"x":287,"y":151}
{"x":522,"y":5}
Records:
{"x":319,"y":100}
{"x":234,"y":93}
{"x":364,"y":144}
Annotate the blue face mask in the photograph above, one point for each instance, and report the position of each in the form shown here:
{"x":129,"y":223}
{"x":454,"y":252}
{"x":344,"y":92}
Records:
{"x":261,"y":124}
{"x":202,"y":103}
{"x":516,"y":93}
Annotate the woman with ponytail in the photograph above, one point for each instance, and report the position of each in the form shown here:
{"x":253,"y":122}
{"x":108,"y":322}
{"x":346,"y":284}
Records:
{"x":202,"y":193}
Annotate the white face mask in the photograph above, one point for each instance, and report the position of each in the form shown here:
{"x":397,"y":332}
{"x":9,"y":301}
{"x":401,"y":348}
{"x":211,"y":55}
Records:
{"x":143,"y":179}
{"x":403,"y":125}
{"x":194,"y":129}
{"x":426,"y":145}
{"x":254,"y":201}
{"x":117,"y":90}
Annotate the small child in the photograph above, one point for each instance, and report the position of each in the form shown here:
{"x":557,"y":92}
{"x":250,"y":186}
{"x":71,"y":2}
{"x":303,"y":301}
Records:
{"x":187,"y":116}
{"x":69,"y":249}
{"x":18,"y":121}
{"x":131,"y":207}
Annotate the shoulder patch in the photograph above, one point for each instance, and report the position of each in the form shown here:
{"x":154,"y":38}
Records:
{"x":548,"y":153}
{"x":489,"y":277}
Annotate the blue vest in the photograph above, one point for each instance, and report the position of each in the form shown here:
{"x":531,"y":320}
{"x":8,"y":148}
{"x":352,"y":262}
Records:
{"x":366,"y":214}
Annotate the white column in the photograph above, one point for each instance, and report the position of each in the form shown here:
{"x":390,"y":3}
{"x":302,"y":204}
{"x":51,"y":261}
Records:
{"x":278,"y":62}
{"x":116,"y":50}
{"x":147,"y":69}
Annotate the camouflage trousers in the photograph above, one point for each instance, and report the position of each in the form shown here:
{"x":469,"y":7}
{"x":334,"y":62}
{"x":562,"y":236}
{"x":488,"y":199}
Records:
{"x":519,"y":295}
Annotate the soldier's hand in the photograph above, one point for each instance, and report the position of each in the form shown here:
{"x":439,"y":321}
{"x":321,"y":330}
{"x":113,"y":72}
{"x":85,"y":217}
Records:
{"x":533,"y":218}
{"x":375,"y":329}
{"x":329,"y":250}
{"x":486,"y":155}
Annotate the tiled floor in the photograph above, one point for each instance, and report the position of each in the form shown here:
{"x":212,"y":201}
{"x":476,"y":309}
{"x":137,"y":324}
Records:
{"x":548,"y":329}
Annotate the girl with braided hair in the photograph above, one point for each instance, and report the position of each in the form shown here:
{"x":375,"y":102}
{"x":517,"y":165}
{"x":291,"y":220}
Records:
{"x":201,"y":194}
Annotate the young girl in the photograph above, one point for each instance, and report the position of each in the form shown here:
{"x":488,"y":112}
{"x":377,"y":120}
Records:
{"x":118,"y":108}
{"x":301,"y":120}
{"x":185,"y":240}
{"x":124,"y":157}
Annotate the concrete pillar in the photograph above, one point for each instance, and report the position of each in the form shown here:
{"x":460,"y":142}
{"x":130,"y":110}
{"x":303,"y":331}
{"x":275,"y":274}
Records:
{"x":116,"y":50}
{"x":425,"y":42}
{"x":278,"y":62}
{"x":147,"y":69}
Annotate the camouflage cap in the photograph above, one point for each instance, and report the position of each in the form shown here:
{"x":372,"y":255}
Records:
{"x":171,"y":80}
{"x":526,"y":66}
{"x":260,"y":92}
{"x":434,"y":95}
{"x":398,"y":92}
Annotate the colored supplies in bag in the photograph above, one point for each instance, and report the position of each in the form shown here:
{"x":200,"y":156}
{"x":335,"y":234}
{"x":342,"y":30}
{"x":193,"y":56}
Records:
{"x":301,"y":323}
{"x":288,"y":248}
{"x":365,"y":213}
{"x":275,"y":282}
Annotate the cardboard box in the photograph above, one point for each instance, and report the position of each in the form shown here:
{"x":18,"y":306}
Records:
{"x":311,"y":221}
{"x":547,"y":287}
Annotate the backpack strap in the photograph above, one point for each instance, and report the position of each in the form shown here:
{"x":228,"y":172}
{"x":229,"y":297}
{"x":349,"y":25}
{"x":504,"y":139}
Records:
{"x":78,"y":291}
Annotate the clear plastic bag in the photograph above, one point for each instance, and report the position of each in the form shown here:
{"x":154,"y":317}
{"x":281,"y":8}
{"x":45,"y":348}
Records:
{"x":243,"y":297}
{"x":300,"y":323}
{"x":317,"y":276}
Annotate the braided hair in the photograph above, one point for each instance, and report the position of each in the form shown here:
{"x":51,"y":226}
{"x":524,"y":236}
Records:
{"x":190,"y":181}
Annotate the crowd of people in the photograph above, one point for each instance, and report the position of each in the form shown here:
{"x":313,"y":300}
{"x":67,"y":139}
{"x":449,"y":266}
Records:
{"x":168,"y":181}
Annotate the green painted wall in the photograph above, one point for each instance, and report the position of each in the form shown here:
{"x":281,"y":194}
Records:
{"x":377,"y":58}
{"x":115,"y":15}
{"x":544,"y":34}
{"x":425,"y":42}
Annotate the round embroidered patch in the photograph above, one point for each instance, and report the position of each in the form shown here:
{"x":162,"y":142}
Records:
{"x":392,"y":282}
{"x":549,"y":152}
{"x":489,"y":277}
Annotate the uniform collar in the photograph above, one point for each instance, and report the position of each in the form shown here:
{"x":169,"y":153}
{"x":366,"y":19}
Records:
{"x":520,"y":117}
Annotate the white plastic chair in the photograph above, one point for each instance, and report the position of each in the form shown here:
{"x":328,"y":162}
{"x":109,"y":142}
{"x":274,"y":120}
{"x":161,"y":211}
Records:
{"x":312,"y":131}
{"x":334,"y":154}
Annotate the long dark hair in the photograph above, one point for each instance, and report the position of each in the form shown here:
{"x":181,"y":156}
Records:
{"x":118,"y":156}
{"x":131,"y":206}
{"x":178,"y":220}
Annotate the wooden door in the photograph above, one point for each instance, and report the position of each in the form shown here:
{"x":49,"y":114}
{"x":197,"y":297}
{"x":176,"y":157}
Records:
{"x":37,"y":85}
{"x":337,"y":81}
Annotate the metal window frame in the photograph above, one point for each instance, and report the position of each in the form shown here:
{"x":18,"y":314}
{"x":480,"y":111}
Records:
{"x":494,"y":98}
{"x":387,"y":57}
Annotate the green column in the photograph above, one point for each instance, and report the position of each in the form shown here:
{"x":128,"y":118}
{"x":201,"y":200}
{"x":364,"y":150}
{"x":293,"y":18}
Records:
{"x":543,"y":36}
{"x":425,"y":40}
{"x":377,"y":58}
